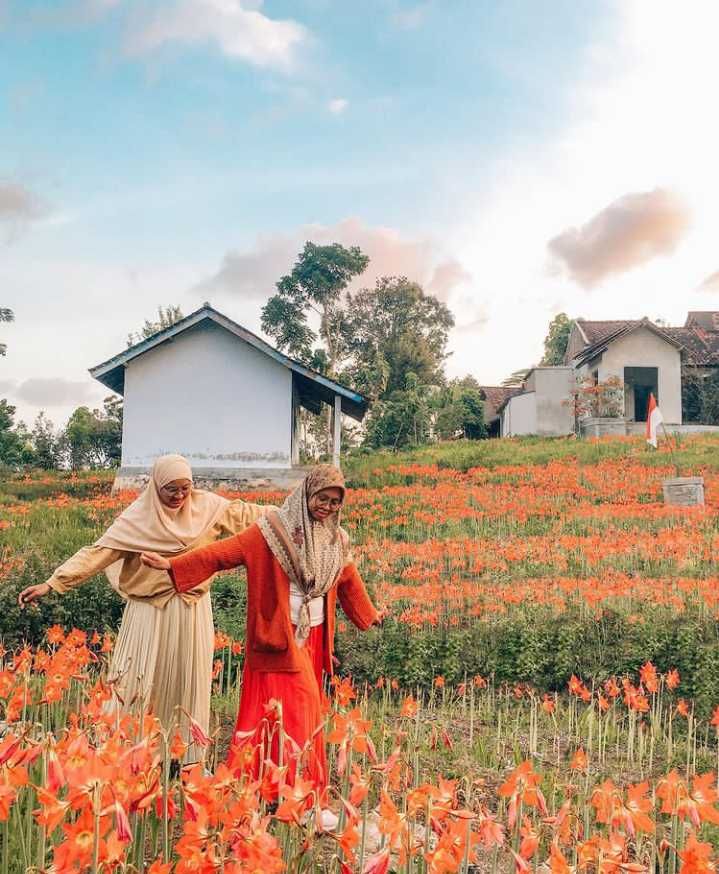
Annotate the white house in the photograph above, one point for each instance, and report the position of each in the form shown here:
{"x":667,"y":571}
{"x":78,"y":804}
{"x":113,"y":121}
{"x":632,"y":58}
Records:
{"x":541,"y":406}
{"x":225,"y":399}
{"x":645,"y":357}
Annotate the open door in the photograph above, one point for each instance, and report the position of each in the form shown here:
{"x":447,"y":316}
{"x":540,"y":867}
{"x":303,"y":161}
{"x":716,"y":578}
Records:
{"x":640,"y":383}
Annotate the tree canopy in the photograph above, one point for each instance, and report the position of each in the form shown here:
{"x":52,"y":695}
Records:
{"x":392,"y":330}
{"x":555,"y":343}
{"x":316,"y":284}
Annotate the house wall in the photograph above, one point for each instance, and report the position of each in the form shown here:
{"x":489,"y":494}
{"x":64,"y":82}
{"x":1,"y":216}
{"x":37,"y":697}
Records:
{"x":211,"y":397}
{"x":553,"y":386}
{"x":643,"y":348}
{"x":520,"y":415}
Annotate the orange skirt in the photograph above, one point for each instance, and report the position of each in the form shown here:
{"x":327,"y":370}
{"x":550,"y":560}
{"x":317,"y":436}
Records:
{"x":287,"y":707}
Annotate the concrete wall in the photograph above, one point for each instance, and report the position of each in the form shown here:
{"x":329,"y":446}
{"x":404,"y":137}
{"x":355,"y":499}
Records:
{"x":553,"y":386}
{"x":520,"y":415}
{"x":643,"y":348}
{"x":212,"y":397}
{"x":541,"y":408}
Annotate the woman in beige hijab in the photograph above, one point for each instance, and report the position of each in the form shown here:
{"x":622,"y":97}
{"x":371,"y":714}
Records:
{"x":162,"y":660}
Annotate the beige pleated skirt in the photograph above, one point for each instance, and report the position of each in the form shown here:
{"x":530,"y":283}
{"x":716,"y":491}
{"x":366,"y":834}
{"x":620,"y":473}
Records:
{"x":162,"y":664}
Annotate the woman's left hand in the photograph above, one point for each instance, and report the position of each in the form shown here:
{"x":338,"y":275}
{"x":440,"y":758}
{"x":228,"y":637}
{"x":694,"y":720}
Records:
{"x":154,"y":559}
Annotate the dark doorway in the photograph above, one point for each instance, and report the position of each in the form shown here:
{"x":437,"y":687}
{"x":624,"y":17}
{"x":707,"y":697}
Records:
{"x":643,"y":381}
{"x":641,"y":402}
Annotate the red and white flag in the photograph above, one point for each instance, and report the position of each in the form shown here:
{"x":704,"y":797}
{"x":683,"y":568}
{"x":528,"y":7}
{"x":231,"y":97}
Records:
{"x":654,"y":420}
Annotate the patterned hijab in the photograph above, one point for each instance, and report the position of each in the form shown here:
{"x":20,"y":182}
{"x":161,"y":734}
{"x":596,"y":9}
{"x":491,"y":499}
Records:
{"x":311,"y":553}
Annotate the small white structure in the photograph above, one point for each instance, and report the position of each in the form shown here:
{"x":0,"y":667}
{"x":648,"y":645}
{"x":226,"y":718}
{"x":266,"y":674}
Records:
{"x":541,"y":407}
{"x":646,"y":358}
{"x":228,"y":401}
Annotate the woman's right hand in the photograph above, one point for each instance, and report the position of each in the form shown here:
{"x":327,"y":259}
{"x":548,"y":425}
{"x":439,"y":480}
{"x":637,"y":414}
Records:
{"x":32,"y":593}
{"x":154,"y":559}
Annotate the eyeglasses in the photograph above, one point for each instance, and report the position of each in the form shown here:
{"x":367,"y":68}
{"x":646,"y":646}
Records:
{"x":332,"y":503}
{"x":177,"y":490}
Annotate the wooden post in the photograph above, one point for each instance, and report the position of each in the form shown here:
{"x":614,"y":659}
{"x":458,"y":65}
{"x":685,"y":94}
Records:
{"x":295,"y":425}
{"x":337,"y":431}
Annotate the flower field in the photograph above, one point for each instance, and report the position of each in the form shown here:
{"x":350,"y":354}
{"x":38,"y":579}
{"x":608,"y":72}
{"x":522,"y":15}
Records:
{"x":542,"y":697}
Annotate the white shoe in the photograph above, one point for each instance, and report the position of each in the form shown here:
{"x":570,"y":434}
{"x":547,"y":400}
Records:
{"x":328,"y":820}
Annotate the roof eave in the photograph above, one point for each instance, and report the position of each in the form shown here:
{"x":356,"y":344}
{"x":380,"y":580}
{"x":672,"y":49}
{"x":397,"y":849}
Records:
{"x":112,"y":372}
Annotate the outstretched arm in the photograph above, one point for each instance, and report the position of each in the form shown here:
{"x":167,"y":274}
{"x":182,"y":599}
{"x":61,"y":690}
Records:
{"x":193,"y":568}
{"x":239,"y":515}
{"x":86,"y":562}
{"x":354,"y":599}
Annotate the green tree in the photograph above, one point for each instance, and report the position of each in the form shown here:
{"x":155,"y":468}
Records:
{"x":460,"y":411}
{"x":15,"y":448}
{"x":403,"y":418}
{"x":47,"y":445}
{"x":555,"y":343}
{"x":166,"y":317}
{"x":316,"y":285}
{"x":392,"y":330}
{"x":6,"y":315}
{"x":93,"y":437}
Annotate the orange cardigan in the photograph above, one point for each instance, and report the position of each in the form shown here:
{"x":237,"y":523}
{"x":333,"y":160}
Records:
{"x":270,"y":641}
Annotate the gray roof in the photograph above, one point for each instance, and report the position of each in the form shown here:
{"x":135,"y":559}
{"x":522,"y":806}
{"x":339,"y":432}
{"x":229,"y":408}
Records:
{"x":312,"y":387}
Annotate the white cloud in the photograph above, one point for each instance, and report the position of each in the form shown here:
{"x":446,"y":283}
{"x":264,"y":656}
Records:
{"x":239,"y":29}
{"x":337,"y":105}
{"x":18,"y":207}
{"x":411,"y":17}
{"x":630,"y":231}
{"x":55,"y":392}
{"x":641,"y":119}
{"x":252,"y":274}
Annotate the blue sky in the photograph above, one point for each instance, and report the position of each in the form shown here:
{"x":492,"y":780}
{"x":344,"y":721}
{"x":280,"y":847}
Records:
{"x":183,"y":149}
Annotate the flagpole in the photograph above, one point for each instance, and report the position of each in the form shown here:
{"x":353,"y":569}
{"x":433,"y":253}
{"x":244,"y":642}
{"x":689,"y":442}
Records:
{"x":671,"y":453}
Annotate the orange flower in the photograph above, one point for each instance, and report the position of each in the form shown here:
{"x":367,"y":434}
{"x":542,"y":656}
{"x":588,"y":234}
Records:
{"x":579,"y":762}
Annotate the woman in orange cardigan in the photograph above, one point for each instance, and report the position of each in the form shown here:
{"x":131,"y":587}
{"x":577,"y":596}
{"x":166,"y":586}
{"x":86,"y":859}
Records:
{"x":298,"y":565}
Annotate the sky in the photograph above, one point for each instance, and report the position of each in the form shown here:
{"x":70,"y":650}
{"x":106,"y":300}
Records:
{"x":518,"y":159}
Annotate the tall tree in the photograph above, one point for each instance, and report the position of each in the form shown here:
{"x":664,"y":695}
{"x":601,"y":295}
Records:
{"x":555,"y":343}
{"x":15,"y":449}
{"x":93,"y":437}
{"x":47,"y":445}
{"x":403,"y":418}
{"x":166,"y":317}
{"x":6,"y":315}
{"x":394,"y":329}
{"x":460,"y":411}
{"x":316,"y":285}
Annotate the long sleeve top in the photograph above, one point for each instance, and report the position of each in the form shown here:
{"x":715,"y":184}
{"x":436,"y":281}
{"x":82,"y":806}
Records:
{"x":270,"y":641}
{"x":131,"y":578}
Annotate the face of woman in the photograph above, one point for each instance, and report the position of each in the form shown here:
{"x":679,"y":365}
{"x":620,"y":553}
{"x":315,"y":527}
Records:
{"x":325,"y":503}
{"x":175,"y":493}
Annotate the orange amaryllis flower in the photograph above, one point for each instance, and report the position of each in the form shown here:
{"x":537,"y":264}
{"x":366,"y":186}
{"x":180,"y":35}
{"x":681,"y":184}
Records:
{"x":672,"y":679}
{"x":297,"y":799}
{"x":683,"y":707}
{"x":579,"y":762}
{"x":52,"y":810}
{"x":557,"y":863}
{"x":649,"y":677}
{"x":523,"y":784}
{"x":696,"y":857}
{"x":410,"y":707}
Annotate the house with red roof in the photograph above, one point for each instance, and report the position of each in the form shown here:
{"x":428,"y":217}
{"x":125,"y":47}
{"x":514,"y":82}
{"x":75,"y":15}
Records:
{"x":645,"y":357}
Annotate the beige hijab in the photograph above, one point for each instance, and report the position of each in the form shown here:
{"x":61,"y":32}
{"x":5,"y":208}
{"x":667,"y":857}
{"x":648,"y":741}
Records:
{"x":311,"y":553}
{"x":147,"y":525}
